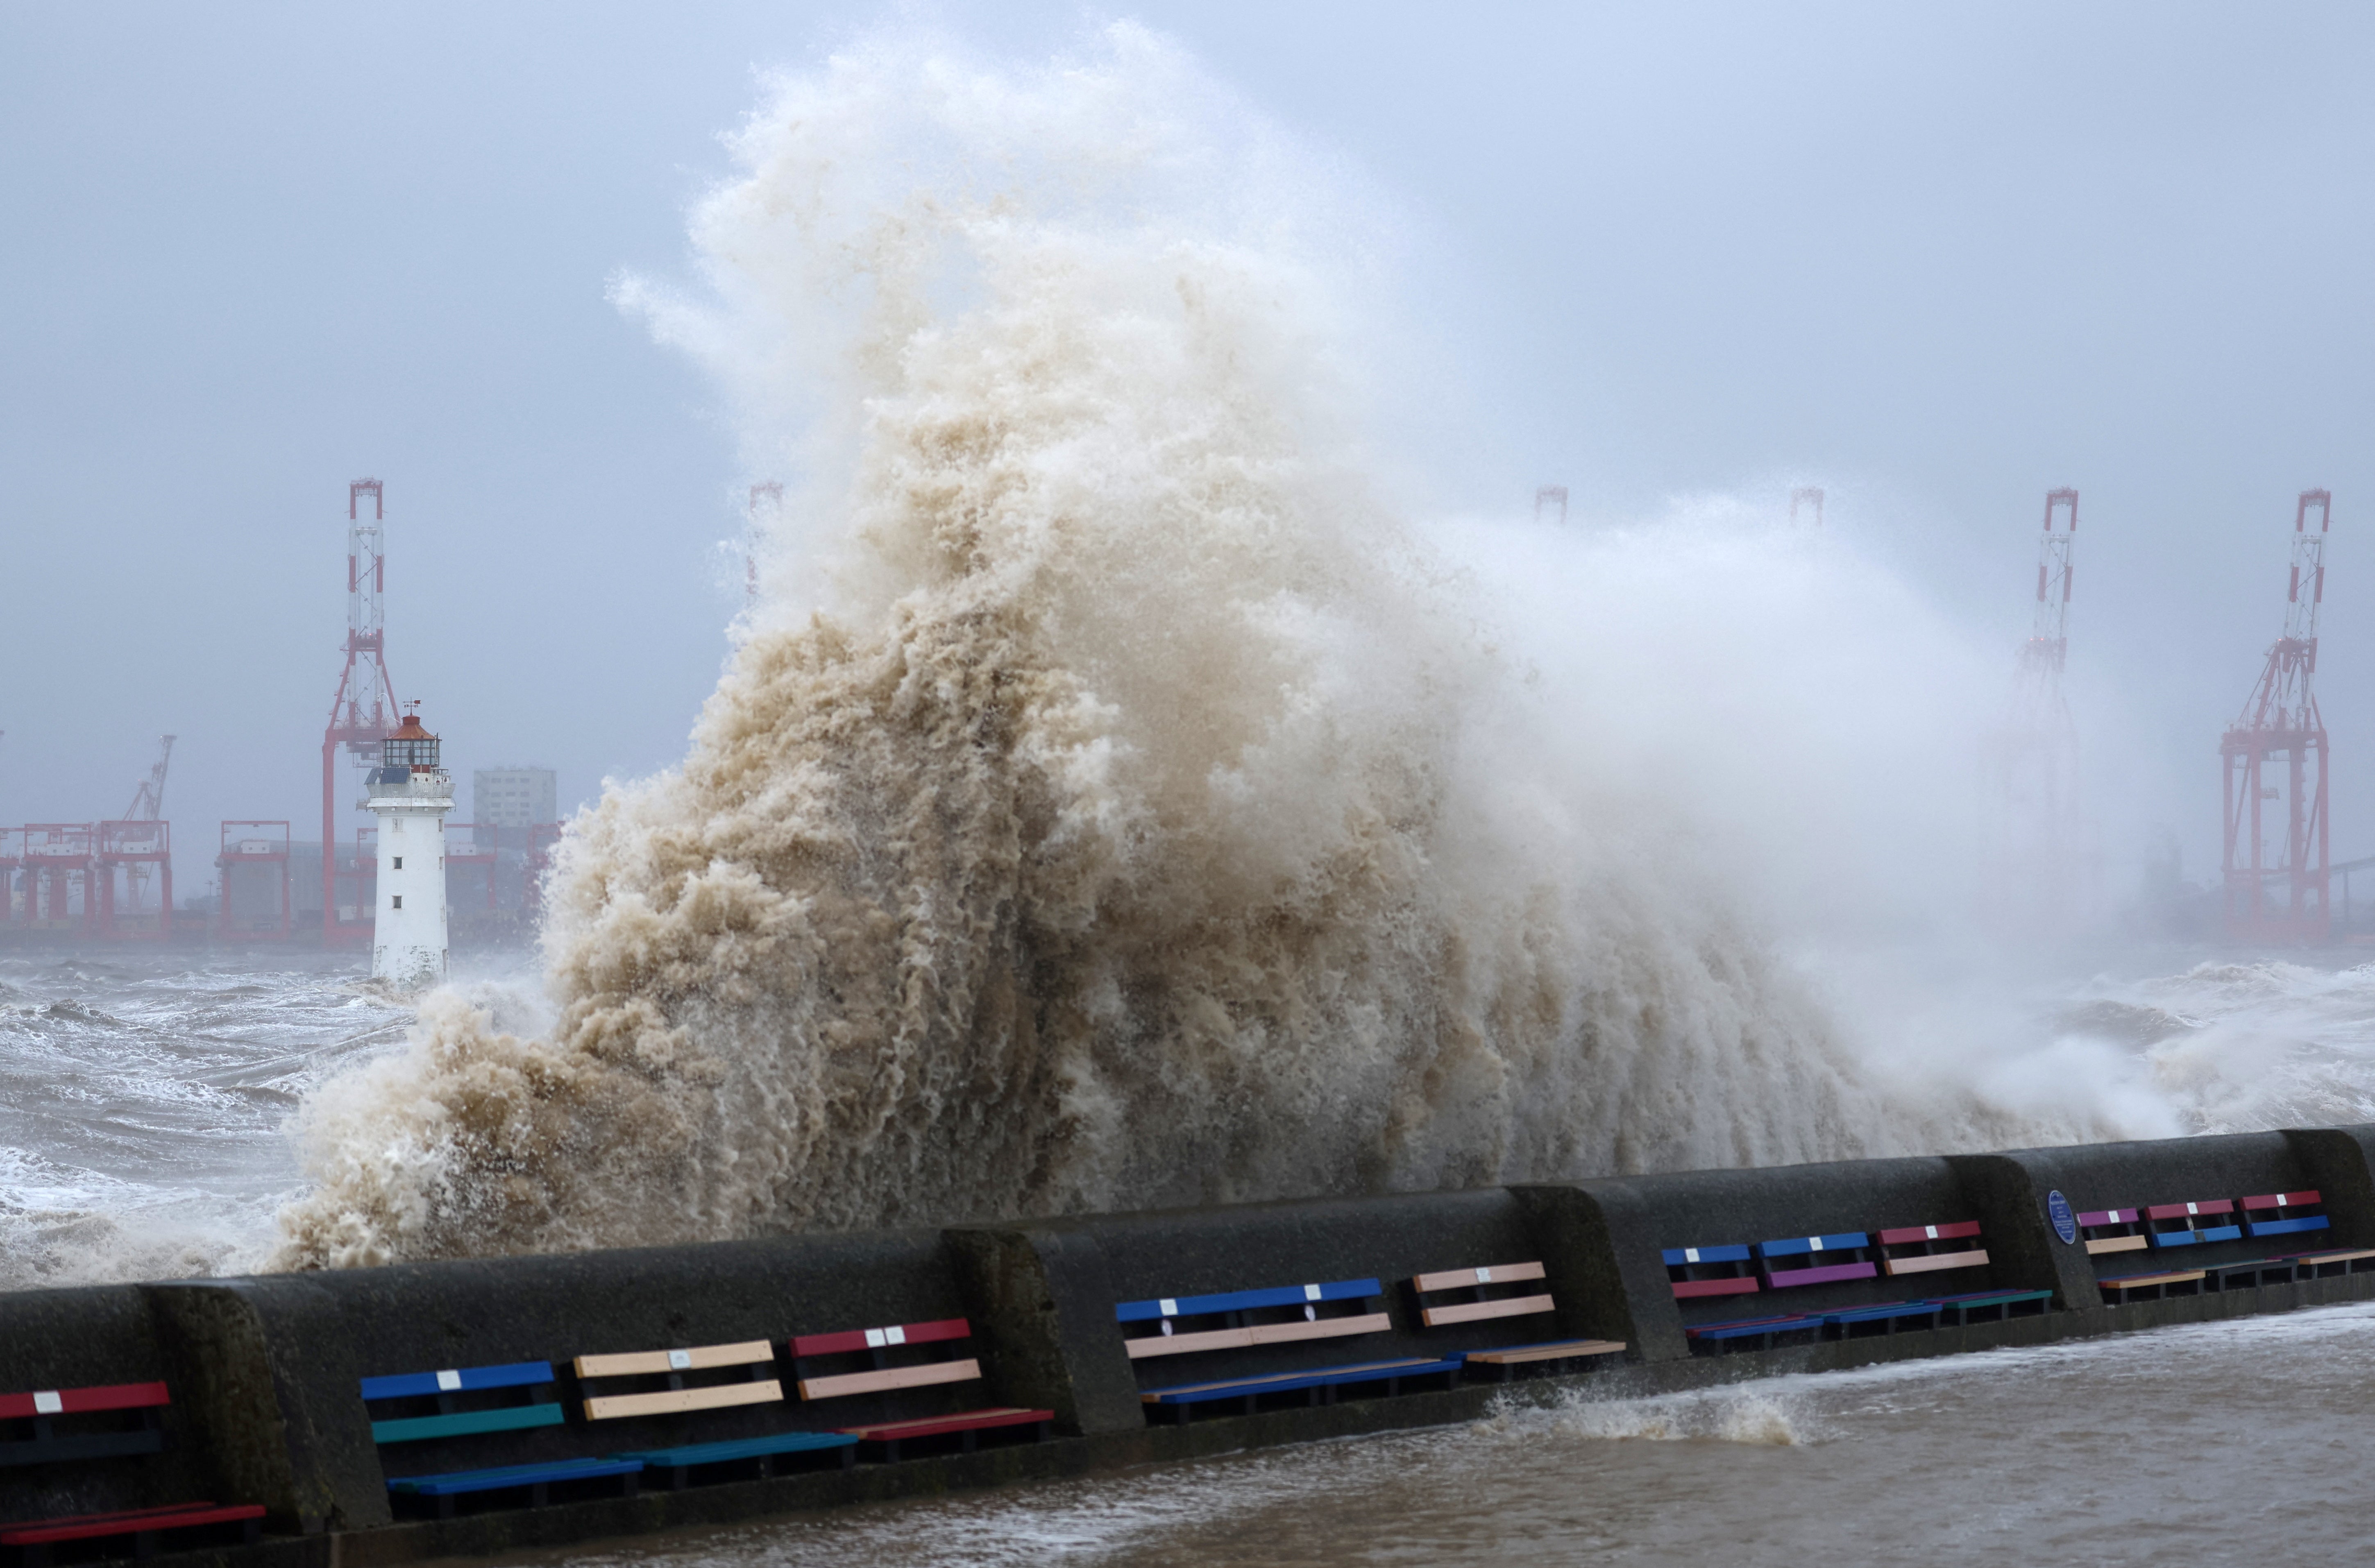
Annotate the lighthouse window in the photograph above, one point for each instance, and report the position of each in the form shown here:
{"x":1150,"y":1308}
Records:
{"x":398,"y":864}
{"x":396,"y":902}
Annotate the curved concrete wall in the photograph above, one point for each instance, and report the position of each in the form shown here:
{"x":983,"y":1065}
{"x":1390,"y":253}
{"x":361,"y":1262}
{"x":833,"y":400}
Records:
{"x":263,"y":1370}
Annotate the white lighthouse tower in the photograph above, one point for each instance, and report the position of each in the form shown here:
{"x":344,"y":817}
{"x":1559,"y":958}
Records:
{"x":410,"y":794}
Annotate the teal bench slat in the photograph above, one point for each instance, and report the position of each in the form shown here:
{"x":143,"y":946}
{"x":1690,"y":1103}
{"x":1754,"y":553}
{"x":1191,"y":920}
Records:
{"x":1880,"y":1310}
{"x":510,"y":1476}
{"x":510,"y":1418}
{"x":2285,"y":1227}
{"x":408,"y":1384}
{"x":1242,"y":1301}
{"x":1987,"y":1305}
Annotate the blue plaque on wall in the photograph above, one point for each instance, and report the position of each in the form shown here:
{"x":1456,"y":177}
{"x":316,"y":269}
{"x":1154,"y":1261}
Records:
{"x":2065,"y":1223}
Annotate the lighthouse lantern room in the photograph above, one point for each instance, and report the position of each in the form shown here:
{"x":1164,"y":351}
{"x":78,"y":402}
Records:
{"x":410,"y":793}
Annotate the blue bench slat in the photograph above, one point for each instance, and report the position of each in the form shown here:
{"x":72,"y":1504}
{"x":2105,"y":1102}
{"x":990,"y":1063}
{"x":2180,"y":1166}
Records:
{"x":517,"y":1374}
{"x":1884,"y":1309}
{"x":1191,"y":1394}
{"x":1241,"y":1300}
{"x":1680,"y":1257}
{"x":1791,"y":1246}
{"x":1753,"y":1325}
{"x":510,"y":1476}
{"x":2166,"y":1239}
{"x":739,"y":1448}
{"x":2287,"y":1227}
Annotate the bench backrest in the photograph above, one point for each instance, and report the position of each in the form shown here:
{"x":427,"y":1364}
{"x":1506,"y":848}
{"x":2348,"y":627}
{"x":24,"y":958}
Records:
{"x":2284,"y":1213}
{"x":755,"y":1357}
{"x":1816,"y":1260}
{"x":1710,"y":1271}
{"x":1482,"y":1306}
{"x":448,"y":1422}
{"x":1302,"y":1302}
{"x":881,"y":1370}
{"x":1927,"y":1249}
{"x":2187,"y":1218}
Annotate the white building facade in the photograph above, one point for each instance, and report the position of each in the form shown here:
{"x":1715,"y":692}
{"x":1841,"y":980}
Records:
{"x":410,"y":794}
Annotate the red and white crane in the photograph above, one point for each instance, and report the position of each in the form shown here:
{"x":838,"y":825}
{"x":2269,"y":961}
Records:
{"x":364,"y":710}
{"x":2276,"y":751}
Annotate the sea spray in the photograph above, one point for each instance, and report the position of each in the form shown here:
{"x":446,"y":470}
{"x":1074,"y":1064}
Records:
{"x":1115,"y":804}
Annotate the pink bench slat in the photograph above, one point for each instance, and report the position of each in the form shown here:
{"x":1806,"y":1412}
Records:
{"x":82,"y":1401}
{"x":855,"y":1338}
{"x":1910,"y":1234}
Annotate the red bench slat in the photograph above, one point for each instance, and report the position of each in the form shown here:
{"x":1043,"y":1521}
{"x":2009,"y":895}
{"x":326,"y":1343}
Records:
{"x":2282,"y":1200}
{"x":1686,"y":1289}
{"x":87,"y":1526}
{"x":1908,"y":1233}
{"x":82,"y":1401}
{"x":2180,"y":1211}
{"x":855,"y":1338}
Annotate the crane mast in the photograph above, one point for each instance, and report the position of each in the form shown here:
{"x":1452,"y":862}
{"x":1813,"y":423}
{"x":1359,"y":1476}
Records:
{"x":2276,"y":885}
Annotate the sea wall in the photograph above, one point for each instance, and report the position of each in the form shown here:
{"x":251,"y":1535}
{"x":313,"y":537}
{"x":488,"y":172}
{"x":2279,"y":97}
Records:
{"x":264,"y":1372}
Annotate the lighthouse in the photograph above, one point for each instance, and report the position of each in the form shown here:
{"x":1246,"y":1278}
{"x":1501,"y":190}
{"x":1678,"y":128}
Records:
{"x":410,"y":793}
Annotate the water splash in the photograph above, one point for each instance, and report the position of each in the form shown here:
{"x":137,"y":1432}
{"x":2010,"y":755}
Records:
{"x":1116,"y":801}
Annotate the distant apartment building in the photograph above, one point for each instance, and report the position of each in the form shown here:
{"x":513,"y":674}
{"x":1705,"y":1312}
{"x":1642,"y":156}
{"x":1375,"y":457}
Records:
{"x":514,"y":797}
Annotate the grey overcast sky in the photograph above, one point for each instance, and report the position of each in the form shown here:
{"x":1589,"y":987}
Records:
{"x":1940,"y":259}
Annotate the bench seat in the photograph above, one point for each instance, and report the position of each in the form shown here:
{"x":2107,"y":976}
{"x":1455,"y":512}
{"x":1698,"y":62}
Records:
{"x":143,"y":1524}
{"x":2128,"y":1284}
{"x":1556,"y":1350}
{"x":965,"y":1424}
{"x":2314,"y":1265}
{"x":1180,"y":1398}
{"x":673,"y":1463}
{"x":1991,"y":1307}
{"x":455,"y":1483}
{"x":2252,"y":1272}
{"x":1883,"y":1317}
{"x":1723,"y":1337}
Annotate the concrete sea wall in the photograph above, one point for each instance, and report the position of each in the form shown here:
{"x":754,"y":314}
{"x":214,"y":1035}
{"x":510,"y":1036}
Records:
{"x":264,"y":1372}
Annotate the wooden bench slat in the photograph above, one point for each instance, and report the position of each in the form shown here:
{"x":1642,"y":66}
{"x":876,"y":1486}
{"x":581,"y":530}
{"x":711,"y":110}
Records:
{"x":1281,"y":1381}
{"x":2191,"y":1210}
{"x":90,"y":1526}
{"x":1830,"y":1273}
{"x":1477,"y":1312}
{"x":464,"y":1423}
{"x":934,"y":1426}
{"x":638,"y":1363}
{"x":732,"y":1449}
{"x":1904,"y":1235}
{"x":83,"y":1401}
{"x":2107,"y":1216}
{"x":1495,"y":1274}
{"x":1562,"y":1351}
{"x":1256,"y":1334}
{"x":1248,"y":1301}
{"x":1938,"y":1260}
{"x":672,"y":1401}
{"x":408,"y":1384}
{"x":504,"y":1478}
{"x":2116,"y":1243}
{"x":2138,"y":1281}
{"x":2335,"y":1256}
{"x":1745,"y":1285}
{"x":848,"y":1341}
{"x":920,"y":1376}
{"x":2282,"y":1200}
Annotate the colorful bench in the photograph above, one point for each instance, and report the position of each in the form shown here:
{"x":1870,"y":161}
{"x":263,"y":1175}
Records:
{"x":2113,"y":1230}
{"x":2152,"y":1287}
{"x":1710,"y":1271}
{"x":1503,"y":1360}
{"x":1274,"y":1315}
{"x":448,"y":1421}
{"x":1880,"y":1317}
{"x":1928,"y":1249}
{"x":107,"y":1422}
{"x":2186,"y":1231}
{"x":860,"y":1360}
{"x":145,"y":1525}
{"x":2280,"y":1214}
{"x":1784,"y":1269}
